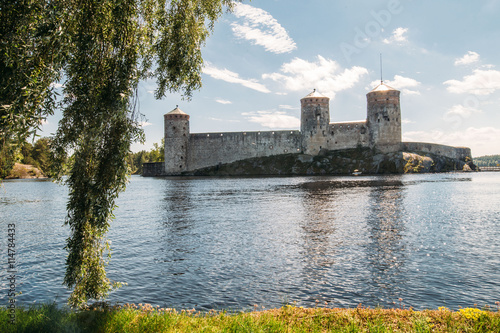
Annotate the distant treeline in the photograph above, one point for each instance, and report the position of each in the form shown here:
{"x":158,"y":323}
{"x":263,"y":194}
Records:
{"x":489,"y":160}
{"x":135,"y":160}
{"x":39,"y":155}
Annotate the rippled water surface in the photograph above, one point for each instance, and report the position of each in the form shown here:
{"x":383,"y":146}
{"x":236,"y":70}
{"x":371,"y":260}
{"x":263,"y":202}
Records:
{"x":431,"y":240}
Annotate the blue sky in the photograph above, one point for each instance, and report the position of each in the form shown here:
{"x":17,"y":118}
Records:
{"x":265,"y":56}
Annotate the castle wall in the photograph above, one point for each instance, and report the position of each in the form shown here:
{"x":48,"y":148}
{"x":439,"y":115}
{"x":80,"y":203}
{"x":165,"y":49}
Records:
{"x":209,"y":149}
{"x":186,"y":152}
{"x":154,"y":169}
{"x":459,"y":153}
{"x":347,"y":135}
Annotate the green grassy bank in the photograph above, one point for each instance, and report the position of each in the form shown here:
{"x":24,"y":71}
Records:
{"x":145,"y":318}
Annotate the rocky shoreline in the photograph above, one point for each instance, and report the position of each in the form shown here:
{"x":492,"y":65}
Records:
{"x":339,"y":162}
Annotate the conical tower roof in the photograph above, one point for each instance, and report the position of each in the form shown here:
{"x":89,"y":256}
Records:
{"x":177,"y":114}
{"x":177,"y":111}
{"x":382,"y":87}
{"x":315,"y":94}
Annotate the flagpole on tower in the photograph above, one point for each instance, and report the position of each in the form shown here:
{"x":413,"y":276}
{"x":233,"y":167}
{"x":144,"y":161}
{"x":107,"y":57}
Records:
{"x":381,"y":80}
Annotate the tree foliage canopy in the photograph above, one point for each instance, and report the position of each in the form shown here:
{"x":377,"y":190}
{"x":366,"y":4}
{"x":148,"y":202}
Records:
{"x":99,"y":50}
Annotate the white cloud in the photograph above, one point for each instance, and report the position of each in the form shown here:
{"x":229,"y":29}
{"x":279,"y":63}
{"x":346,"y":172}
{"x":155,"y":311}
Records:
{"x":223,"y":101}
{"x":288,"y":107}
{"x":262,"y":28}
{"x":469,"y":58}
{"x":410,"y":92}
{"x":325,"y":75}
{"x":224,"y":120}
{"x":461,"y":111}
{"x":144,"y":123}
{"x":482,"y":82}
{"x":398,"y":36}
{"x":273,"y":119}
{"x":401,"y":83}
{"x":482,"y":141}
{"x":407,"y":121}
{"x":232,"y":77}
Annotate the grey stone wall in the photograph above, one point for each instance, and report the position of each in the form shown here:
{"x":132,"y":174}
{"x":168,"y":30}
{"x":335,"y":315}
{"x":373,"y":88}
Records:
{"x":347,"y":135}
{"x":211,"y":149}
{"x":153,"y":169}
{"x":459,"y":153}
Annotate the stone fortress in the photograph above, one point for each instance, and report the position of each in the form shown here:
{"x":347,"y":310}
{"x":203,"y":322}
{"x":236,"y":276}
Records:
{"x":186,"y":152}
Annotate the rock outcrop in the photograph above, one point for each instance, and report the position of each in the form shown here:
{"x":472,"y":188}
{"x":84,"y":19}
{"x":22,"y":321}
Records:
{"x":338,"y":162}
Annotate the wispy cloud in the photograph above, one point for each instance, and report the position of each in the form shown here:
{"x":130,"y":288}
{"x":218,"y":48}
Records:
{"x":223,"y":101}
{"x":324,"y":74}
{"x":481,"y":82}
{"x":262,"y":29}
{"x":273,"y":119}
{"x":462,"y":111}
{"x":398,"y":36}
{"x":232,"y":77}
{"x":469,"y":58}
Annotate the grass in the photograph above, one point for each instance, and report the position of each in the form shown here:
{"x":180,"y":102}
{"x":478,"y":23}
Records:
{"x":145,"y":318}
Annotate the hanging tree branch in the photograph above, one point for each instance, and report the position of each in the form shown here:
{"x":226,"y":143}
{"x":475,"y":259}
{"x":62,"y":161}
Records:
{"x":102,"y":48}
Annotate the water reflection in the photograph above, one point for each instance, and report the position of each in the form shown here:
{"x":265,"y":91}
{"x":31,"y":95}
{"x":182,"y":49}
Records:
{"x":177,"y":206}
{"x":386,"y":252}
{"x":177,"y":226}
{"x":319,"y":202}
{"x":343,"y":219}
{"x":231,"y":243}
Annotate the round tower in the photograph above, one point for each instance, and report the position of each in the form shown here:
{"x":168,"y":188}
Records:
{"x":314,"y":120}
{"x":176,"y":141}
{"x":384,"y":118}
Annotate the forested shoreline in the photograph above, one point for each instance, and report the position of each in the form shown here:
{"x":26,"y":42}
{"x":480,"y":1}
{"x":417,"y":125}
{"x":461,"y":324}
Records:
{"x":38,"y":155}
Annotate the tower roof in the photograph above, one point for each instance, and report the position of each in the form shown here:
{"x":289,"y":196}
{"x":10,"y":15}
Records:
{"x":177,"y":111}
{"x":382,"y":87}
{"x":314,"y":93}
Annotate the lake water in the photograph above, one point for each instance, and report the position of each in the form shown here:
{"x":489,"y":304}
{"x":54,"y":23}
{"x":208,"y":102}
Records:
{"x":229,"y":243}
